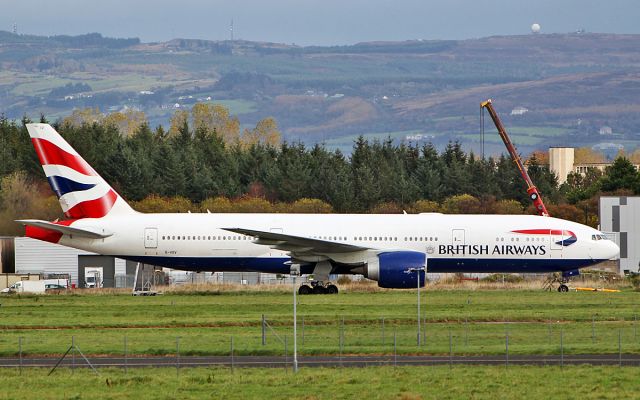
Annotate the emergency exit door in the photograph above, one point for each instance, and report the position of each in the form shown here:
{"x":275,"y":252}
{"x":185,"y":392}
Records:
{"x":151,"y":238}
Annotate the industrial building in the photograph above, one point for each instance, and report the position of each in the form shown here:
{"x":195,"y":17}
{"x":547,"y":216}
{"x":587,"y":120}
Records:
{"x":26,"y":258}
{"x":562,"y":162}
{"x":620,"y":215}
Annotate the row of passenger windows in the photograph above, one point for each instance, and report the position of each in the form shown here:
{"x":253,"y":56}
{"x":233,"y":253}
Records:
{"x":517,"y":239}
{"x":206,"y":237}
{"x":379,"y":238}
{"x":343,"y":238}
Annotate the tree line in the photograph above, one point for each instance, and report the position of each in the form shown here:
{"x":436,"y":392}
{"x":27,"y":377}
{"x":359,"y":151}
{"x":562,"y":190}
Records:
{"x":204,"y":162}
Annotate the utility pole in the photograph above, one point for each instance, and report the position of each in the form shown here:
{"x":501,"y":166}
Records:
{"x":295,"y":271}
{"x":418,"y":271}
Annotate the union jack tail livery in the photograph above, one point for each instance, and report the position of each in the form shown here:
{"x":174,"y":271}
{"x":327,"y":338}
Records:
{"x":81,"y":191}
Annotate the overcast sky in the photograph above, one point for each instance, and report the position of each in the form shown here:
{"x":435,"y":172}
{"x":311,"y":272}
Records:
{"x":321,"y":22}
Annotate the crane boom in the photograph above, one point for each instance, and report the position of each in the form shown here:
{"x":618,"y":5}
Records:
{"x":532,"y":191}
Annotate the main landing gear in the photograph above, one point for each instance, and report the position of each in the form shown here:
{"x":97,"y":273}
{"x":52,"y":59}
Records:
{"x":318,"y":287}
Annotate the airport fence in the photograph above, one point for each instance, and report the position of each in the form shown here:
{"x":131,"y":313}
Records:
{"x":339,"y":340}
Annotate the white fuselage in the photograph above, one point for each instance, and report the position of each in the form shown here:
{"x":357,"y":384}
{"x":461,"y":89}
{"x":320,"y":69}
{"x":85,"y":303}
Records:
{"x":452,"y":243}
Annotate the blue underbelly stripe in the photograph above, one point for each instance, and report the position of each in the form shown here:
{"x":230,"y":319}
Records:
{"x":278,"y":265}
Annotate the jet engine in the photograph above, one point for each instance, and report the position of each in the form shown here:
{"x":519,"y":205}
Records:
{"x":397,"y":269}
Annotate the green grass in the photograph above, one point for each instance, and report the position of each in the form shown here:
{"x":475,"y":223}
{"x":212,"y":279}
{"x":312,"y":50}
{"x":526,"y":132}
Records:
{"x":517,"y":139}
{"x":237,"y":106}
{"x":124,"y":82}
{"x":478,"y":322}
{"x":544,"y":131}
{"x":38,"y":85}
{"x":459,"y":382}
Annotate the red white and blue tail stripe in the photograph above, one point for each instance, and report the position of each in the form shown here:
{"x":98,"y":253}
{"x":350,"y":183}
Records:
{"x":81,"y":191}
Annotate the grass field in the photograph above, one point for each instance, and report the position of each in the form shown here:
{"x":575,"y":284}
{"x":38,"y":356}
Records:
{"x":408,"y":383}
{"x":477,"y":320}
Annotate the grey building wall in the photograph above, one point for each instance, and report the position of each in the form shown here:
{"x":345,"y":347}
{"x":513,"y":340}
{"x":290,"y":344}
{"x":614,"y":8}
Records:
{"x":38,"y":257}
{"x":620,"y":215}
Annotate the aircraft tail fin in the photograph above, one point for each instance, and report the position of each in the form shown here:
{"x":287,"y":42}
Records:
{"x":81,"y":191}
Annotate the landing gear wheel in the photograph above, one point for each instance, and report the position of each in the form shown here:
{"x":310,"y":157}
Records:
{"x":304,"y":289}
{"x":319,"y":289}
{"x":563,"y":288}
{"x":332,"y":289}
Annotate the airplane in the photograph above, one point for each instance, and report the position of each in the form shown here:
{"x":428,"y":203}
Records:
{"x":393,"y":249}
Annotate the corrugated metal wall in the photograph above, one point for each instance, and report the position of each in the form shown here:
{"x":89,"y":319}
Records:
{"x":621,"y":216}
{"x":38,"y":257}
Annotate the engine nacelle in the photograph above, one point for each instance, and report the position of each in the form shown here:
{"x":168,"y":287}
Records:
{"x":390,"y":269}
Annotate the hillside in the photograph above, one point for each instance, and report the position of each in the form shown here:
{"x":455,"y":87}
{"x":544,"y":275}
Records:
{"x":571,"y":85}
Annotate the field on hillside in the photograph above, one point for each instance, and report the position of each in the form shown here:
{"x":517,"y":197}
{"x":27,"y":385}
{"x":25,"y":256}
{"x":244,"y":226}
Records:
{"x":353,"y":322}
{"x":338,"y":92}
{"x":460,"y":382}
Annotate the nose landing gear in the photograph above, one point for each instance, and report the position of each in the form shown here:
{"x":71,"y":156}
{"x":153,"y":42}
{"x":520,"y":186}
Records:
{"x":561,"y":279}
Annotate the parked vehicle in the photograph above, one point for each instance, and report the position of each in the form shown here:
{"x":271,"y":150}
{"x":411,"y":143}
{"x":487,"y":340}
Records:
{"x":93,"y":278}
{"x":63,"y":283}
{"x":26,"y":287}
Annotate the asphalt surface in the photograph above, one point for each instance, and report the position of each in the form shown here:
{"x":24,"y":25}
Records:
{"x":320,"y":361}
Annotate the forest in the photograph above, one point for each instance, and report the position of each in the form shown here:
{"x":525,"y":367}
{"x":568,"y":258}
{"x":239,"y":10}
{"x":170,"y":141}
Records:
{"x":204,"y":162}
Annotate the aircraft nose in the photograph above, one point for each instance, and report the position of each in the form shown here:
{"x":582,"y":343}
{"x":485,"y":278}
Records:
{"x":610,"y":249}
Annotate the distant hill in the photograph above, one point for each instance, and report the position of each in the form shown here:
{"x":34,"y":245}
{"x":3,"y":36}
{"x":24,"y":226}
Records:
{"x":570,"y":85}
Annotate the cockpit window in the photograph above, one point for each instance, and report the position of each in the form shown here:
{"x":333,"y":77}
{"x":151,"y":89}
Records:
{"x":598,"y":237}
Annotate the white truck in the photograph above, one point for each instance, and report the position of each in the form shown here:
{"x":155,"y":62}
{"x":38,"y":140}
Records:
{"x":93,"y":278}
{"x":26,"y":287}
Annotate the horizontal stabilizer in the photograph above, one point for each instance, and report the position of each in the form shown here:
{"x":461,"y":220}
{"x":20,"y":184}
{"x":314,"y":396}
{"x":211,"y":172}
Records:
{"x":88,"y":232}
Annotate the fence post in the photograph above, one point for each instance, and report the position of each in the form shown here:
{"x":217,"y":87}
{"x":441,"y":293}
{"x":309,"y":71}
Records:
{"x":466,"y":331}
{"x":73,"y":354}
{"x":450,"y":349}
{"x":341,"y":339}
{"x":561,"y":348}
{"x":286,"y":358}
{"x":264,"y":331}
{"x":125,"y":355}
{"x":20,"y":352}
{"x":177,"y":355}
{"x":232,"y":354}
{"x":506,"y":344}
{"x":620,"y":347}
{"x":395,"y":350}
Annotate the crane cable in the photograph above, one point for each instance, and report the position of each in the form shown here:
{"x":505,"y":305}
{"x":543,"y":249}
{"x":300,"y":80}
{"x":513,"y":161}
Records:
{"x":482,"y":132}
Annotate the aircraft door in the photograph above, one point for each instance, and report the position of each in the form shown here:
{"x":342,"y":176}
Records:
{"x":457,"y":236}
{"x":555,"y":239}
{"x":150,"y":238}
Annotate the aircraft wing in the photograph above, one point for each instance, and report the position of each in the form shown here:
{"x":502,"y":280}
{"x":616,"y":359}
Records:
{"x":91,"y":233}
{"x":297,"y":244}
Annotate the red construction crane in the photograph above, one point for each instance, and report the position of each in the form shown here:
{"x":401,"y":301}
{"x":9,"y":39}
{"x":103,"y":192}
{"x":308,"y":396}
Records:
{"x":532,"y":191}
